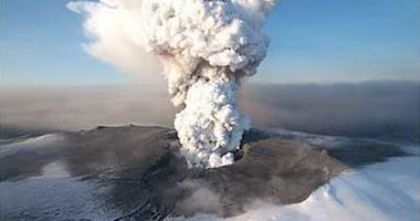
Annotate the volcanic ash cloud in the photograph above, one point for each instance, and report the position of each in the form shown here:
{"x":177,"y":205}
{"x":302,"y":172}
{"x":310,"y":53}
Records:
{"x":206,"y":47}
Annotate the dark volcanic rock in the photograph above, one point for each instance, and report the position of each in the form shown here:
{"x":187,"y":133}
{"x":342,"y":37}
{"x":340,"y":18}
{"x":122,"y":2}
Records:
{"x":138,"y":172}
{"x":273,"y":170}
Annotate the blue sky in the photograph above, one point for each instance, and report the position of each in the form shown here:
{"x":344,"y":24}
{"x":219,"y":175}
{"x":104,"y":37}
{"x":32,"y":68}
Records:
{"x":321,"y":41}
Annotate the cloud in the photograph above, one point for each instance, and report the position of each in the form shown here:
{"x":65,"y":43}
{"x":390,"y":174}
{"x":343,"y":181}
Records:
{"x":75,"y":108}
{"x":378,"y":109}
{"x":375,"y":109}
{"x":116,"y":37}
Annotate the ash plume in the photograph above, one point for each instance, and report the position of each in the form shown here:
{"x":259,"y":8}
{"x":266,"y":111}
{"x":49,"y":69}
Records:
{"x":206,"y":47}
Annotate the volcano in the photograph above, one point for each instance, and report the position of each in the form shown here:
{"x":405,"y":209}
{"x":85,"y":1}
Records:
{"x":137,"y":173}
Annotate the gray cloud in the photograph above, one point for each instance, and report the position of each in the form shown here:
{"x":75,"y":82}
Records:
{"x":74,"y":108}
{"x":376,"y":109}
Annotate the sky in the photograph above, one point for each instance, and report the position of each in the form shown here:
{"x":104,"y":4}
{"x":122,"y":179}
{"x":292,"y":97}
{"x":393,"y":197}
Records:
{"x":322,"y":41}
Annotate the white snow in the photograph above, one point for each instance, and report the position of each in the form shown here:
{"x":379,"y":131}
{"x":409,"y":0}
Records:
{"x":33,"y":142}
{"x":54,"y":195}
{"x":381,"y":192}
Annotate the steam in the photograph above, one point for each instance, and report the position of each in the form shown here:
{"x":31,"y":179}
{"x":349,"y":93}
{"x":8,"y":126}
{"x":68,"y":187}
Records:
{"x":205,"y":46}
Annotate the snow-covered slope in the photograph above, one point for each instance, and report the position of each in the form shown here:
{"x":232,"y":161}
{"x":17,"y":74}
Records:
{"x":383,"y":191}
{"x":98,"y":175}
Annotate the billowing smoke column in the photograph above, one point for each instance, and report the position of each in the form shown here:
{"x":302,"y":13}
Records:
{"x":206,"y":47}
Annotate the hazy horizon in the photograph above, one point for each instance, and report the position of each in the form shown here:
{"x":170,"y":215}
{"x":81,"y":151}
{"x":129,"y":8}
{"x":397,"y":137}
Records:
{"x":371,"y":109}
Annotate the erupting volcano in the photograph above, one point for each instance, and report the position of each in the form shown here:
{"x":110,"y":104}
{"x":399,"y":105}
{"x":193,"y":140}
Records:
{"x":206,"y":47}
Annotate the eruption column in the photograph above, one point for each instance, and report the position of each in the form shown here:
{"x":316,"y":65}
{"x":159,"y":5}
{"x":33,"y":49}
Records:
{"x":206,"y":47}
{"x":210,"y":127}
